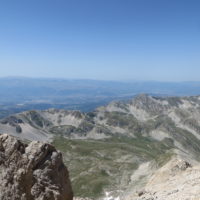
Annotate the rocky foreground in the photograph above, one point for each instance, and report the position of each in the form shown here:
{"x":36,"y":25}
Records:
{"x":177,"y":180}
{"x":36,"y":172}
{"x":32,"y":172}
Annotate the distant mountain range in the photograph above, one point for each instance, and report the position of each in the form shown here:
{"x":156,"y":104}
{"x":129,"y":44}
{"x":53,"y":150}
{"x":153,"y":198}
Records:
{"x":117,"y":147}
{"x":21,"y":94}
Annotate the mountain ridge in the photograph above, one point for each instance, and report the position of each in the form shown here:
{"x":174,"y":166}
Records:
{"x":115,"y":142}
{"x":21,"y":94}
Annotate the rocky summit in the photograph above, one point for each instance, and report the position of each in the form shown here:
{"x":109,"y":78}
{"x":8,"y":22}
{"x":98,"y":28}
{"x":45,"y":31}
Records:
{"x":32,"y":172}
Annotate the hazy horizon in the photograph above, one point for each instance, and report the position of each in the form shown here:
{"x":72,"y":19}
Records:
{"x":90,"y":79}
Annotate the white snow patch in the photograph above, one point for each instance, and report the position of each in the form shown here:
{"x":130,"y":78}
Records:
{"x":110,"y":197}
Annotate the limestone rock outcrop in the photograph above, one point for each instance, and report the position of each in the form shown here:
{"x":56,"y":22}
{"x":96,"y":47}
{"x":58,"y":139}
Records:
{"x":177,"y":180}
{"x":32,"y":172}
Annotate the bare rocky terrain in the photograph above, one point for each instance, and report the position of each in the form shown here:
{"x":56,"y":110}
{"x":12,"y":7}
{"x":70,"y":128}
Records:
{"x":178,"y":179}
{"x":32,"y":172}
{"x":123,"y":148}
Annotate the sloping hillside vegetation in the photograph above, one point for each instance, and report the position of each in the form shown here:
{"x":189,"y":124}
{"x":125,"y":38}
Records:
{"x":118,"y":146}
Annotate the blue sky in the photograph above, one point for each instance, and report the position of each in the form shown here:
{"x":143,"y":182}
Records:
{"x":101,"y":39}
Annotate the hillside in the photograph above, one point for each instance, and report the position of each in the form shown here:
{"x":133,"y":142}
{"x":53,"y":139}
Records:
{"x":116,"y":148}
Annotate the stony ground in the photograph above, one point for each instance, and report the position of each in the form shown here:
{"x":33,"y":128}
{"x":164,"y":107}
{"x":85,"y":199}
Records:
{"x":177,"y":180}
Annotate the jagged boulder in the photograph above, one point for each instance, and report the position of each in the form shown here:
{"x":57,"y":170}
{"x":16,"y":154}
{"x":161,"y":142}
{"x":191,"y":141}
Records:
{"x":32,"y":172}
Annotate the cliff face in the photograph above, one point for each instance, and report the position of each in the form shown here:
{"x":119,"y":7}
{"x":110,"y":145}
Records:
{"x":32,"y":172}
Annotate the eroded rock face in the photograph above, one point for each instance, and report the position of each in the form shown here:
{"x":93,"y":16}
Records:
{"x":32,"y":172}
